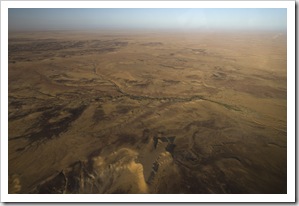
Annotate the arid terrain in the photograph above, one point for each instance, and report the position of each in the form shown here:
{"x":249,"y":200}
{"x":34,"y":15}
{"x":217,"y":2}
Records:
{"x":147,"y":112}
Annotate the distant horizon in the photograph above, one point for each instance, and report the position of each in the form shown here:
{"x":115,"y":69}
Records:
{"x":195,"y":19}
{"x":151,"y":30}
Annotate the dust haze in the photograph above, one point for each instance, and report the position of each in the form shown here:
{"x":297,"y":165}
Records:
{"x":147,"y":112}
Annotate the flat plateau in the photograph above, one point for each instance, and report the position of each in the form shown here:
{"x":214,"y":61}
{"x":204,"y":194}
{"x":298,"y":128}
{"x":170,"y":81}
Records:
{"x":147,"y":112}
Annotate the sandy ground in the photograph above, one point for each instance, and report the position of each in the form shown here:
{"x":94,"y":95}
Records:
{"x":147,"y":112}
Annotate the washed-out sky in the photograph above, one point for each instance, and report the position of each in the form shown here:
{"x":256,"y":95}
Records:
{"x":181,"y":19}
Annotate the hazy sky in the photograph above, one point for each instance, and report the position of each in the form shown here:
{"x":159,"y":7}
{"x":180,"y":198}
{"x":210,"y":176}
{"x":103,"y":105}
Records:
{"x":82,"y":19}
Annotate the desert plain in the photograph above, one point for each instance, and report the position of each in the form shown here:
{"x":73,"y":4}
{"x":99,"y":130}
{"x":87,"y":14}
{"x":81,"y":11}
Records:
{"x":160,"y":112}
